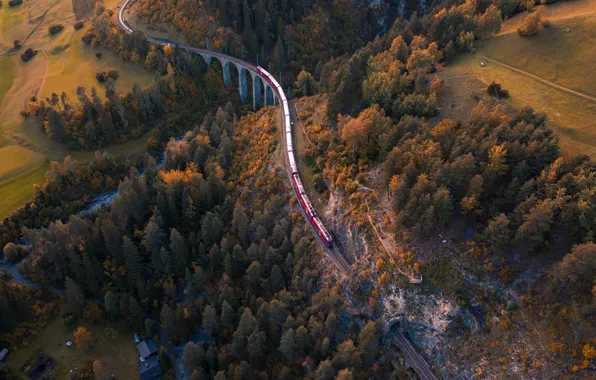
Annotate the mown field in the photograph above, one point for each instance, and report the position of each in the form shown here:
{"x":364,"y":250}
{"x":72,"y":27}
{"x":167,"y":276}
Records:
{"x":62,"y":64}
{"x":531,"y":68}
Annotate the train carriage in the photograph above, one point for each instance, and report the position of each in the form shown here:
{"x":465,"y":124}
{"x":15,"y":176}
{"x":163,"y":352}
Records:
{"x":305,"y":203}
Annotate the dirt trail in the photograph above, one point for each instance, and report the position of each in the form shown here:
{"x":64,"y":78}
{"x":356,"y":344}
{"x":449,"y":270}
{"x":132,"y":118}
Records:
{"x":39,"y":21}
{"x":540,"y":79}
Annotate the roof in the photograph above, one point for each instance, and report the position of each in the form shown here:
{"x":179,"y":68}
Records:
{"x":3,"y":354}
{"x":147,"y":348}
{"x":150,"y":369}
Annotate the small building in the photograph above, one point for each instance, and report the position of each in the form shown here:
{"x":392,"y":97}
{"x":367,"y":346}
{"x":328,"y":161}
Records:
{"x":3,"y":354}
{"x":69,"y":344}
{"x":150,"y":369}
{"x":137,"y":338}
{"x":147,"y":349}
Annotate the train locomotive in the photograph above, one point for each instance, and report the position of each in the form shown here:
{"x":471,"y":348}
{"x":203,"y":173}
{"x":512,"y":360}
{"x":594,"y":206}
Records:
{"x":296,"y":181}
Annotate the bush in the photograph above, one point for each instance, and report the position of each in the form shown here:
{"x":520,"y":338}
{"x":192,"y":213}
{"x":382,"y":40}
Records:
{"x":55,"y":29}
{"x":104,"y":75}
{"x":15,"y":3}
{"x":98,"y":55}
{"x":495,"y":89}
{"x":531,"y":25}
{"x":16,"y":44}
{"x":319,"y":183}
{"x":89,"y":36}
{"x":28,"y":54}
{"x":78,"y":25}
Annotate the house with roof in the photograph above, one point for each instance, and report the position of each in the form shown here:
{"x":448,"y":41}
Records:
{"x":146,"y":349}
{"x":150,"y":369}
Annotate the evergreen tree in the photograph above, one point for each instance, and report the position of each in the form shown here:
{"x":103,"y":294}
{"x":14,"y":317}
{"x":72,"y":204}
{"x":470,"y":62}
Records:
{"x":74,"y":296}
{"x":287,"y":345}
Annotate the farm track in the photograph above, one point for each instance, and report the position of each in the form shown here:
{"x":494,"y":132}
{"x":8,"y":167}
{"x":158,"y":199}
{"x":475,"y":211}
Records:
{"x":540,"y":79}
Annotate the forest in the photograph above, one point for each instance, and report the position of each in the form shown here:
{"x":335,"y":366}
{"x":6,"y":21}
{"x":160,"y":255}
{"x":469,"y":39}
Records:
{"x":213,"y":243}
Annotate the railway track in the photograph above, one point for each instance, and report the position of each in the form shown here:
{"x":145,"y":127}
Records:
{"x":413,"y":358}
{"x":411,"y":355}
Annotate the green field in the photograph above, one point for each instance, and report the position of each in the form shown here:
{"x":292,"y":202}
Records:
{"x":119,"y":356}
{"x":6,"y":79}
{"x":16,"y":192}
{"x":552,"y":72}
{"x":73,"y":64}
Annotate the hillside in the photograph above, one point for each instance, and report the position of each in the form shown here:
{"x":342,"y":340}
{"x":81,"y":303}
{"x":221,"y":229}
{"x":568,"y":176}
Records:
{"x":550,"y":71}
{"x":62,"y":64}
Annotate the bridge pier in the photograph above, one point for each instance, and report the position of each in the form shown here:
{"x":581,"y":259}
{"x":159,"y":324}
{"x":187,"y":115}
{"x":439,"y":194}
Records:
{"x":227,"y":76}
{"x":257,"y":92}
{"x":243,"y":85}
{"x":269,"y":96}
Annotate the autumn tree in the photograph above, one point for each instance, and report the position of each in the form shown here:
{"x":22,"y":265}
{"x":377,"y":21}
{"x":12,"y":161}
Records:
{"x":531,"y":25}
{"x":575,"y":275}
{"x":99,"y":371}
{"x":83,"y":338}
{"x":305,"y":84}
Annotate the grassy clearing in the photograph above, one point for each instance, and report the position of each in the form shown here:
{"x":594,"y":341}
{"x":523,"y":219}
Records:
{"x":6,"y":79}
{"x":10,"y":17}
{"x":72,"y":64}
{"x":119,"y":356}
{"x":19,"y":190}
{"x":573,"y":118}
{"x":562,"y":58}
{"x":16,"y":161}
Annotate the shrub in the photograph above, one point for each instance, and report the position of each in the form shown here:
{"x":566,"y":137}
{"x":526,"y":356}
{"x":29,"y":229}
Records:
{"x":98,"y":55}
{"x":16,"y":44}
{"x":28,"y":54}
{"x":104,"y":75}
{"x":15,"y":3}
{"x":319,"y":183}
{"x":89,"y":36}
{"x":78,"y":25}
{"x":55,"y":29}
{"x":495,"y":89}
{"x":531,"y":25}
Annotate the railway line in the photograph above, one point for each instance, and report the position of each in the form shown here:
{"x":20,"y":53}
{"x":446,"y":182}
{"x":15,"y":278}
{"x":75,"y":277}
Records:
{"x":333,"y":248}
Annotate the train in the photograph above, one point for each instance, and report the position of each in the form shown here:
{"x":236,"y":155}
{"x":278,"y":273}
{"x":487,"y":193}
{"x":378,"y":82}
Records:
{"x":305,"y":203}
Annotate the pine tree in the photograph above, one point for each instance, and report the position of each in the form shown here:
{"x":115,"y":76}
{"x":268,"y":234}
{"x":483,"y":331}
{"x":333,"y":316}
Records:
{"x":256,"y":346}
{"x":132,"y":258}
{"x":210,"y":320}
{"x":180,"y":253}
{"x":136,"y":314}
{"x":368,"y":342}
{"x":74,"y":296}
{"x":112,"y":304}
{"x":287,"y":345}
